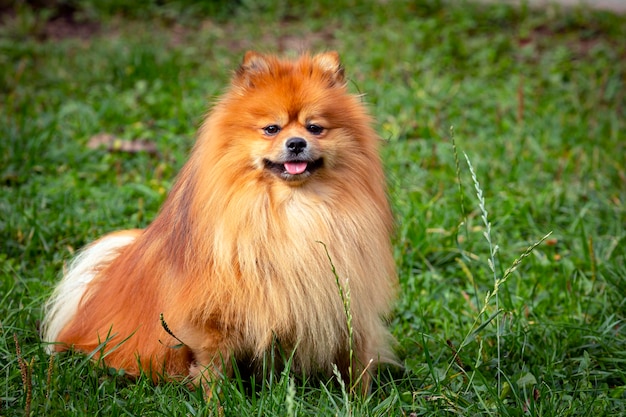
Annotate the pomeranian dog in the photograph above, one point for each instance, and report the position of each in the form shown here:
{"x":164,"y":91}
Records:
{"x":275,"y":234}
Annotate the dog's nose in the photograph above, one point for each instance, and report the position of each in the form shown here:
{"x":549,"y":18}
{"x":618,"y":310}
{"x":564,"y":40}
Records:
{"x":295,"y":145}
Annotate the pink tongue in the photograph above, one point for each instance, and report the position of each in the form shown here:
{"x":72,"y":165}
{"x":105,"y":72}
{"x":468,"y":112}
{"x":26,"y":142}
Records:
{"x":295,"y":168}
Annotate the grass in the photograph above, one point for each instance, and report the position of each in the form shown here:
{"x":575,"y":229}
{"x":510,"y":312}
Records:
{"x":537,"y":103}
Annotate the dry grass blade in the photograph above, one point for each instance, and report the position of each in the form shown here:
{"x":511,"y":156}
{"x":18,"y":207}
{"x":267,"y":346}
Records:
{"x":25,"y":371}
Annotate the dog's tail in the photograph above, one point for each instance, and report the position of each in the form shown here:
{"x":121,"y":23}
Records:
{"x":63,"y":304}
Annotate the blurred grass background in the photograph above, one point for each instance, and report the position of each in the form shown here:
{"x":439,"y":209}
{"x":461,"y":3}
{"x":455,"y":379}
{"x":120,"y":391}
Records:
{"x":534,"y":97}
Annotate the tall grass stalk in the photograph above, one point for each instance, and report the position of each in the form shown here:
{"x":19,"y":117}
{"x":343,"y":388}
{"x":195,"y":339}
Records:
{"x":493,"y":249}
{"x":497,"y":282}
{"x":463,"y":222}
{"x":344,"y":293}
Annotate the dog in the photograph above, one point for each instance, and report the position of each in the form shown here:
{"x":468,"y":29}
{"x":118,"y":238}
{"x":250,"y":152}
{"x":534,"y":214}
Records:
{"x":276,"y":233}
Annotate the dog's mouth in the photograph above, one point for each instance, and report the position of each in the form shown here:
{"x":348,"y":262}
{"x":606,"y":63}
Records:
{"x":295,"y":169}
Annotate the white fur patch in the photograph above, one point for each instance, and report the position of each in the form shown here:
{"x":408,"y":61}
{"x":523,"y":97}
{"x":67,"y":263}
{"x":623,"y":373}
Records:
{"x":62,"y":305}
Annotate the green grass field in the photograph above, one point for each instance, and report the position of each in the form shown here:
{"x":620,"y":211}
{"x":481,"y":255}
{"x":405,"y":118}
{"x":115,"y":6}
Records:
{"x":534,"y":99}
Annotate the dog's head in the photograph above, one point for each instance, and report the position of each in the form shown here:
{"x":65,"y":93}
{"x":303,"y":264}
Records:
{"x":293,"y":120}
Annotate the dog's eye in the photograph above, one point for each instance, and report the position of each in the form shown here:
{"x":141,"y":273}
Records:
{"x":314,"y":129}
{"x":271,"y":130}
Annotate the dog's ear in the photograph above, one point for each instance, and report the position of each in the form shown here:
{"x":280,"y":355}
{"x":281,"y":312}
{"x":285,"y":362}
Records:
{"x":330,"y":63}
{"x":253,"y":63}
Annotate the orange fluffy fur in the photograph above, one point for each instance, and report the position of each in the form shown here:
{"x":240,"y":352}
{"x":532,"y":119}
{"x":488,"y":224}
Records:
{"x":236,"y":260}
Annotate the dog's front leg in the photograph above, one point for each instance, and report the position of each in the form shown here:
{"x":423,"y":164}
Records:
{"x":212,"y":362}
